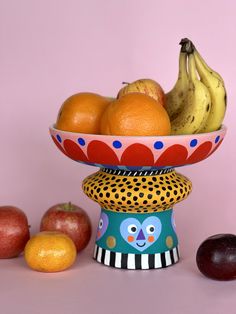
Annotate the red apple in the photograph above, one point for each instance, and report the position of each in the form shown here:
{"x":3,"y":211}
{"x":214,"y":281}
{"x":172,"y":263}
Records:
{"x":69,"y":219}
{"x":14,"y":231}
{"x":144,"y":86}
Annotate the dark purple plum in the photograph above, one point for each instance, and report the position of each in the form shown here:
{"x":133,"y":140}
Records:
{"x":216,"y":257}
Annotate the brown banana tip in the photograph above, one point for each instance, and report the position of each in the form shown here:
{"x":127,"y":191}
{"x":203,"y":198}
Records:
{"x":187,"y":46}
{"x":184,"y":41}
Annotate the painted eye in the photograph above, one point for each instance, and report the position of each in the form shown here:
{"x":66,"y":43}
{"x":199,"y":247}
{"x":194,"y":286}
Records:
{"x":132,"y":228}
{"x":100,"y":225}
{"x":150,"y":229}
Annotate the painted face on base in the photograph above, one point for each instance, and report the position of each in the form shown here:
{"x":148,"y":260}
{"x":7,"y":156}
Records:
{"x":141,"y":235}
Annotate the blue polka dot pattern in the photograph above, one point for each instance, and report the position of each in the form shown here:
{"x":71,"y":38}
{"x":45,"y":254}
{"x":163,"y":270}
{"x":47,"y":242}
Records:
{"x":59,"y":138}
{"x":81,"y":141}
{"x":117,"y":144}
{"x":158,"y":145}
{"x":193,"y":143}
{"x":217,"y":139}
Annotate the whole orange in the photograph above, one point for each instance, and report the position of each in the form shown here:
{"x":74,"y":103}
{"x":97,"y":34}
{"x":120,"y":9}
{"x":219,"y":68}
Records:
{"x":50,"y":251}
{"x":82,"y":113}
{"x":135,"y":114}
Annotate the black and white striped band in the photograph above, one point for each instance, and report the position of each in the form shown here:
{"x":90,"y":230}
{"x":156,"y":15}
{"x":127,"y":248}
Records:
{"x":137,"y":173}
{"x":136,"y":261}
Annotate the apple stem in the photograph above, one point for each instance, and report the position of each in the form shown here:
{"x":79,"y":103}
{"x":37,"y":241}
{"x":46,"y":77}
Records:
{"x":125,"y":83}
{"x":68,"y":206}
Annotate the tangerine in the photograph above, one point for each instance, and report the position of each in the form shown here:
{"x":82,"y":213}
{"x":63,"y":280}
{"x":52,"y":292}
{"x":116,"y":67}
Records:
{"x":82,"y":113}
{"x":135,"y":114}
{"x":50,"y":251}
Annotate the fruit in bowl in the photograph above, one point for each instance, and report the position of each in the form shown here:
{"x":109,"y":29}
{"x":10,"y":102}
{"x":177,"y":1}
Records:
{"x":138,"y":110}
{"x":135,"y":114}
{"x":148,"y":87}
{"x":197,"y":102}
{"x":82,"y":113}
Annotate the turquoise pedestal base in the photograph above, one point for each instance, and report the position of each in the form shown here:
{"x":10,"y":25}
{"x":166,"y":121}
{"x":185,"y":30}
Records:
{"x":136,"y":241}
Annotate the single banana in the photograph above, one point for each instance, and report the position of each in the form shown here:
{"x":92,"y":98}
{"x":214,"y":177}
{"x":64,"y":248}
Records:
{"x":216,"y":74}
{"x":215,"y":84}
{"x":175,"y":99}
{"x":197,"y":106}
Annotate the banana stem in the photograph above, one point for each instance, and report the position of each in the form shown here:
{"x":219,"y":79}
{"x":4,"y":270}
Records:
{"x":192,"y":68}
{"x":187,"y":45}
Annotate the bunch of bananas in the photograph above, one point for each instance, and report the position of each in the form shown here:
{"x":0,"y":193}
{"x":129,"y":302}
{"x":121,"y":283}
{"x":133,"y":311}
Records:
{"x":197,"y":102}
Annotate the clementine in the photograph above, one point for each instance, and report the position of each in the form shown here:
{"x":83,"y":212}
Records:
{"x":50,"y":251}
{"x":82,"y":113}
{"x":135,"y":114}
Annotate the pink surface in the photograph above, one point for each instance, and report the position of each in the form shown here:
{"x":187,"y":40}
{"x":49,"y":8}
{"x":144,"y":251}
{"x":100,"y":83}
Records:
{"x":52,"y":49}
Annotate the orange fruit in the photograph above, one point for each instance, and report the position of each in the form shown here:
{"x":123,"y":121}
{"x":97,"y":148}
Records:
{"x":50,"y":251}
{"x":135,"y":114}
{"x":82,"y":113}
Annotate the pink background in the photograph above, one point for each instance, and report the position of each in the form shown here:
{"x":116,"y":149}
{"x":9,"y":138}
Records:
{"x":51,"y":49}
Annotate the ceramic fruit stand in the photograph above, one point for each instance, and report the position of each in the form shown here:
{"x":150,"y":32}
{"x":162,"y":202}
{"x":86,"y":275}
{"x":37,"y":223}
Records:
{"x":137,"y":187}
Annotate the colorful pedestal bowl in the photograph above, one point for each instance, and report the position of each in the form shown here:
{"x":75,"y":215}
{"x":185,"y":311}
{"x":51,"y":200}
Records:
{"x":137,"y":186}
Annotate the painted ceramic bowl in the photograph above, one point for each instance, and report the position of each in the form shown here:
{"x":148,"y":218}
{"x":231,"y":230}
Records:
{"x":137,"y":152}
